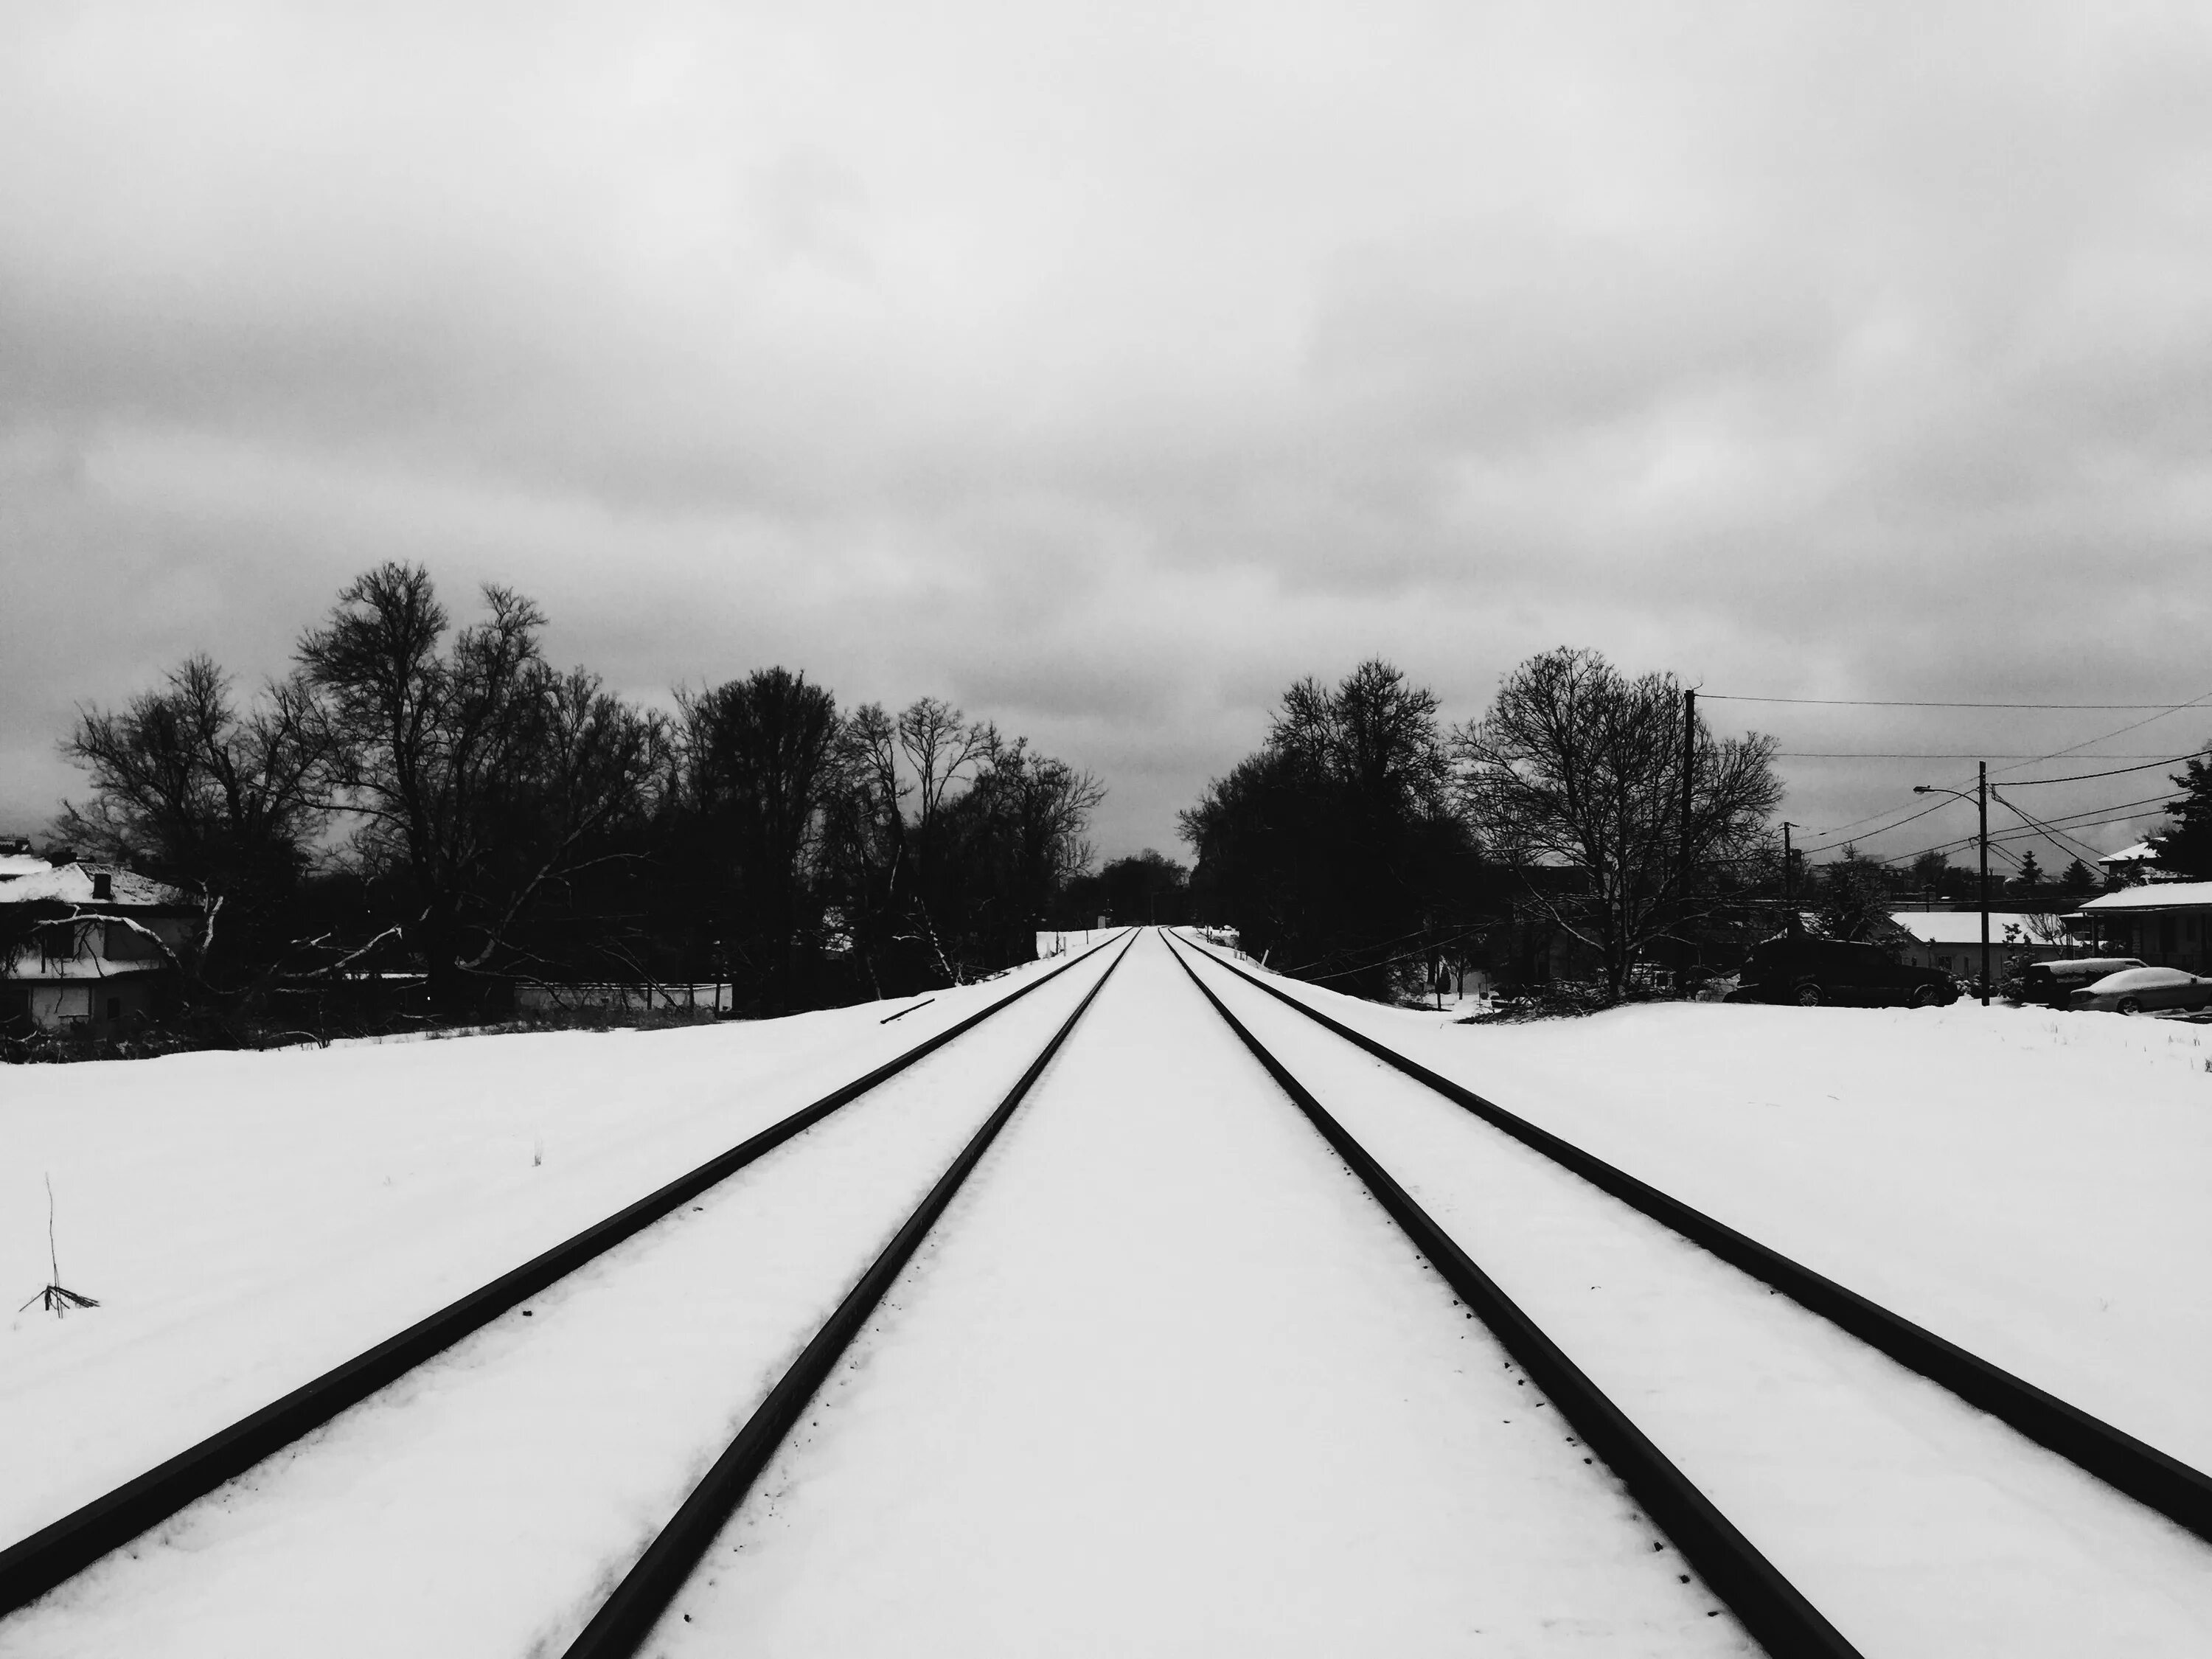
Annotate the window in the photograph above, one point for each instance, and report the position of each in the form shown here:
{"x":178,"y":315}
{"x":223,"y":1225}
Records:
{"x":114,"y":1008}
{"x":60,"y":1005}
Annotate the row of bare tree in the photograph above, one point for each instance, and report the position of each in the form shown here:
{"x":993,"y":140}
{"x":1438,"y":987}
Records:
{"x":1365,"y":832}
{"x":416,"y":796}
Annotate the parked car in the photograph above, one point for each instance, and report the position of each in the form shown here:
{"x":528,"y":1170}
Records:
{"x":1811,"y":971}
{"x":2053,"y":981}
{"x":2139,"y":990}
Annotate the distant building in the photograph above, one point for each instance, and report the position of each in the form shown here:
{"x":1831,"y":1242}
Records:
{"x":2168,"y":924}
{"x":87,"y":946}
{"x":1950,"y":940}
{"x":2136,"y":863}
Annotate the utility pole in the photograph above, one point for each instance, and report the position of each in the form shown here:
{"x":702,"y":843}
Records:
{"x":1982,"y":792}
{"x":1689,"y":768}
{"x":1790,"y":920}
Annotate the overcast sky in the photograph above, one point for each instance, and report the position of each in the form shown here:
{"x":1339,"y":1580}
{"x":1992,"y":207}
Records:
{"x":1105,"y":367}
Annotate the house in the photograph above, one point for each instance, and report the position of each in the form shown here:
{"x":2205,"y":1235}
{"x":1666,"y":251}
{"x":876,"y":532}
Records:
{"x":2167,"y":924}
{"x":86,"y":946}
{"x":2138,"y":862}
{"x":1950,"y":940}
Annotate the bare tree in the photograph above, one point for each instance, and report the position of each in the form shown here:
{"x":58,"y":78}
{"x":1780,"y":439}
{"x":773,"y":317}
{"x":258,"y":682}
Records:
{"x":1576,"y":767}
{"x":941,"y":747}
{"x":866,"y":833}
{"x":1018,"y":838}
{"x":216,"y":799}
{"x":476,"y":772}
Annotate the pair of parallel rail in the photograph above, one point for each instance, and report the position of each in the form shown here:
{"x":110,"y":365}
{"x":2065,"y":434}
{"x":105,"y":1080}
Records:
{"x":1767,"y":1604}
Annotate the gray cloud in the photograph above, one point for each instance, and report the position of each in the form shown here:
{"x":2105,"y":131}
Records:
{"x":1106,"y":368}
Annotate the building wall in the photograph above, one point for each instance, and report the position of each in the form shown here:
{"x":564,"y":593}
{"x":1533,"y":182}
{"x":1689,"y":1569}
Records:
{"x":2171,"y":939}
{"x":1966,"y":959}
{"x":102,"y":1007}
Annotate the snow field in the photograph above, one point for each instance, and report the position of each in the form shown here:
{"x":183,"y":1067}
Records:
{"x":1073,"y":941}
{"x":1165,"y":1381}
{"x":2028,"y":1184}
{"x":1919,"y":1526}
{"x":507,"y":1484}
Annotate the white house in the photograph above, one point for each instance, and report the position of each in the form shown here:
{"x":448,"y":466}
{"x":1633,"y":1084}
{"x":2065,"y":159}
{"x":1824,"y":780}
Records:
{"x":90,"y":946}
{"x":2168,"y":924}
{"x":1950,"y":940}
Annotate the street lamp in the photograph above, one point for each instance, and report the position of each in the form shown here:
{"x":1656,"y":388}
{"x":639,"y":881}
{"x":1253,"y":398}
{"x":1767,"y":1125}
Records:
{"x":1981,"y":799}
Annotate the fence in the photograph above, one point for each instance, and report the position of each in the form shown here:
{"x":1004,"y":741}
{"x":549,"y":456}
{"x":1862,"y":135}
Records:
{"x":537,"y":996}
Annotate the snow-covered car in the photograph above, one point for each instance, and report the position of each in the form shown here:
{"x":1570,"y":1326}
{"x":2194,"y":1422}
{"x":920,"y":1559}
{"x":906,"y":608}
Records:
{"x":2052,"y":981}
{"x":2140,"y":990}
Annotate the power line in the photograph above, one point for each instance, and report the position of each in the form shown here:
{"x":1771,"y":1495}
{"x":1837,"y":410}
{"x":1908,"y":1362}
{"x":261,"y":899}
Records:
{"x":1838,"y":828}
{"x":2078,"y":777}
{"x":1857,"y":754}
{"x":1884,"y":831}
{"x":1957,"y":842}
{"x":2123,"y":730}
{"x":2058,"y":838}
{"x":2164,"y":710}
{"x":1889,"y":702}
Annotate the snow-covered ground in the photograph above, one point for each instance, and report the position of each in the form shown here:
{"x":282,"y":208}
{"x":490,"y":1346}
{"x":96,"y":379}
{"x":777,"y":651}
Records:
{"x":1919,"y":1525}
{"x":1163,"y":1380}
{"x":1062,"y":941}
{"x":248,"y":1220}
{"x":2028,"y":1183}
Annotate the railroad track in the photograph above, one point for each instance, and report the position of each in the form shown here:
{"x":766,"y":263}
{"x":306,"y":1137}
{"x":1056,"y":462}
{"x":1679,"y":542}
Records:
{"x":627,"y":1617}
{"x":1774,"y":1610}
{"x":57,"y":1552}
{"x":1769,"y":1605}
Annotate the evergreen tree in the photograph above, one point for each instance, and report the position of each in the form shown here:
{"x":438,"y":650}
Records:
{"x":2187,"y":848}
{"x":1853,"y":901}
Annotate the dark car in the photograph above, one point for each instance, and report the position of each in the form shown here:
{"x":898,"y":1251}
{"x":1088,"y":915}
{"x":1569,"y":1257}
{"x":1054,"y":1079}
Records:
{"x":1812,"y":971}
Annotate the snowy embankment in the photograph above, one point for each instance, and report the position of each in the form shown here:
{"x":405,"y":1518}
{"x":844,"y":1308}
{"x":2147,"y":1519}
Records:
{"x":506,"y":1483}
{"x":1072,"y":941}
{"x":1920,"y":1527}
{"x":248,"y":1220}
{"x":2027,"y":1183}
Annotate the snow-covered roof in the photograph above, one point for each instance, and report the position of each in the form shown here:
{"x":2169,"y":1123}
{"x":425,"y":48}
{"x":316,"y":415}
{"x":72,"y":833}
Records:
{"x":2164,"y":895}
{"x":1964,"y":926}
{"x":33,"y":969}
{"x":2142,"y":853}
{"x":72,"y":883}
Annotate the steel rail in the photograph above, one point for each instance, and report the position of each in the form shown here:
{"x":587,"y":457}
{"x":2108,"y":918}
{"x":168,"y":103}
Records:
{"x":1771,"y":1607}
{"x":2164,"y":1483}
{"x":626,"y":1618}
{"x":36,"y":1563}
